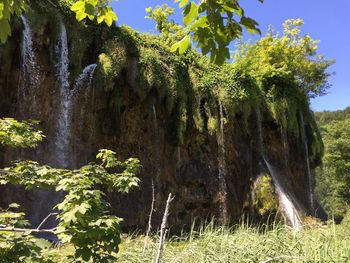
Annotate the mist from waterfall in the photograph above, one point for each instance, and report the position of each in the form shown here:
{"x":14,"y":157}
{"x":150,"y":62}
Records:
{"x":306,"y":151}
{"x":222,"y":169}
{"x":286,"y":202}
{"x":29,"y":81}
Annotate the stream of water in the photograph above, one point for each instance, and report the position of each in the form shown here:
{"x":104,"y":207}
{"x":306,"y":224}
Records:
{"x":306,"y":151}
{"x":63,"y":124}
{"x":29,"y":80}
{"x":84,"y":80}
{"x":222,"y":169}
{"x":287,"y":204}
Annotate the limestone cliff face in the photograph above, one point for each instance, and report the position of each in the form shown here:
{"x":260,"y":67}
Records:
{"x":144,"y":130}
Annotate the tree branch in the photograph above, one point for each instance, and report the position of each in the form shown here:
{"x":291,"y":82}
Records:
{"x":3,"y":228}
{"x":149,"y":220}
{"x":163,"y":228}
{"x":15,"y":229}
{"x":45,"y":219}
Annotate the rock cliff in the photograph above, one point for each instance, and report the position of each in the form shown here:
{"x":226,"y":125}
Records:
{"x":210,"y":173}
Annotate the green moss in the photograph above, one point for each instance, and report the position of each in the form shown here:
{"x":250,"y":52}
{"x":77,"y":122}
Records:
{"x":188,"y":86}
{"x":213,"y":126}
{"x":111,"y":63}
{"x":317,"y":146}
{"x":266,"y":201}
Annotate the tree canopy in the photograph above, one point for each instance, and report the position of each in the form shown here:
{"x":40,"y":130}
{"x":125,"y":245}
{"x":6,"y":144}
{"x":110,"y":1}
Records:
{"x":333,"y":179}
{"x":83,"y":218}
{"x":213,"y":25}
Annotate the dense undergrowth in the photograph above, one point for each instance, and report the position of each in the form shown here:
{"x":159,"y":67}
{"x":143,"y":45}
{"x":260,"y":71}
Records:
{"x":280,"y":243}
{"x":277,"y":74}
{"x":247,"y":244}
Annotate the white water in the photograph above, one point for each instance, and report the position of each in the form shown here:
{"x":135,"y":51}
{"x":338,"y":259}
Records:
{"x":222,"y":170}
{"x":285,"y":201}
{"x":306,"y":150}
{"x":157,"y":144}
{"x":29,"y":81}
{"x":63,"y":125}
{"x":63,"y":149}
{"x":285,"y":145}
{"x":85,"y":78}
{"x":155,"y":120}
{"x":82,"y":89}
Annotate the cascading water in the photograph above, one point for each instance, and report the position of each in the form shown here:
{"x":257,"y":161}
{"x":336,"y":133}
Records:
{"x":285,"y":201}
{"x":85,"y":77}
{"x":306,"y":150}
{"x":222,"y":169}
{"x":82,"y":88}
{"x":29,"y":80}
{"x":157,"y":143}
{"x":155,"y":121}
{"x":63,"y":125}
{"x":285,"y":145}
{"x":81,"y":101}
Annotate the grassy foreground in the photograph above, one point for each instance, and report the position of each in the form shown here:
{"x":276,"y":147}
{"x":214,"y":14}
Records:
{"x":327,"y":243}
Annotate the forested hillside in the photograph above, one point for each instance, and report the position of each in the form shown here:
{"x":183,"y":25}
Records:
{"x":325,"y":117}
{"x":333,"y":179}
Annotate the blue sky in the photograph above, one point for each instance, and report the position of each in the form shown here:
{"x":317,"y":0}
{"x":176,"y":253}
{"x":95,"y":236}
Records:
{"x":327,"y":21}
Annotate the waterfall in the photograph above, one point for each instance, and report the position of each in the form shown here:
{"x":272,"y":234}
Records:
{"x":29,"y":80}
{"x":222,"y":169}
{"x":85,"y":76}
{"x":83,"y":81}
{"x":306,"y":153}
{"x":285,"y":145}
{"x":63,"y":125}
{"x":285,"y":201}
{"x":155,"y":121}
{"x":157,"y":144}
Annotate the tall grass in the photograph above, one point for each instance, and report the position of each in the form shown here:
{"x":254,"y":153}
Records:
{"x":328,"y":243}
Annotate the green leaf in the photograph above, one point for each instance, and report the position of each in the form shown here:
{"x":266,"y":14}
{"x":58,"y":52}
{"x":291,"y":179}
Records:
{"x":190,"y":13}
{"x":70,"y":216}
{"x":83,"y":208}
{"x":78,"y":6}
{"x":1,"y":9}
{"x":250,"y":25}
{"x":100,"y":19}
{"x":5,"y":30}
{"x":90,"y":10}
{"x":182,"y":45}
{"x":110,"y":16}
{"x":14,"y":205}
{"x":182,"y":3}
{"x":80,"y":15}
{"x":200,"y":22}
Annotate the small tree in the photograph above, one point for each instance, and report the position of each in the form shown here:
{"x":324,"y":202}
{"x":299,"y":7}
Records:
{"x":83,"y":218}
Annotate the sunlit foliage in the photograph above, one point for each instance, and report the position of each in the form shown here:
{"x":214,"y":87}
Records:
{"x":83,"y":218}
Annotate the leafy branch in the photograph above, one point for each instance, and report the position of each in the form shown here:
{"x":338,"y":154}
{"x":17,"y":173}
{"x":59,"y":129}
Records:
{"x":213,"y":25}
{"x":83,"y":218}
{"x":19,"y":134}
